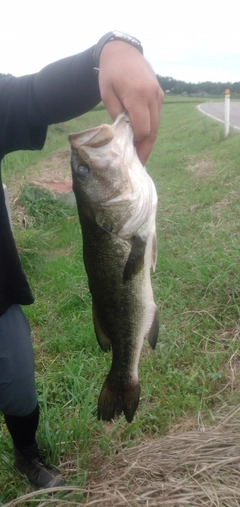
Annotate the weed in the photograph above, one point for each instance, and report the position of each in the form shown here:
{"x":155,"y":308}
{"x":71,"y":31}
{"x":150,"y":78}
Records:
{"x":41,"y":204}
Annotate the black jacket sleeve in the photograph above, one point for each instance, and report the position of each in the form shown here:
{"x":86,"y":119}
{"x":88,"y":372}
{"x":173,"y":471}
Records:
{"x":59,"y":92}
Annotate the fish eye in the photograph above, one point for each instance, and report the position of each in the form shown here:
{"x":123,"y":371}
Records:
{"x":82,"y":170}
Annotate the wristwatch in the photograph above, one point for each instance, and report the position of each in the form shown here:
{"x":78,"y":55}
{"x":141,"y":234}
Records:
{"x":111,"y":36}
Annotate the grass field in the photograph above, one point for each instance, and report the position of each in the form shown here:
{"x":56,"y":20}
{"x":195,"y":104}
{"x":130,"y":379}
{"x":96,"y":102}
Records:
{"x":195,"y":367}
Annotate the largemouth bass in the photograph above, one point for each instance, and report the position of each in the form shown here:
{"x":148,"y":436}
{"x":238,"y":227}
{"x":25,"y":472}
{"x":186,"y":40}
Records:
{"x":117,"y":202}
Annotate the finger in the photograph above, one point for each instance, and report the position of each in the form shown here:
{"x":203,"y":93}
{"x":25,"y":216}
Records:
{"x":139,"y":115}
{"x":144,"y":111}
{"x":145,"y":144}
{"x":110,"y":99}
{"x":144,"y":149}
{"x":113,"y":106}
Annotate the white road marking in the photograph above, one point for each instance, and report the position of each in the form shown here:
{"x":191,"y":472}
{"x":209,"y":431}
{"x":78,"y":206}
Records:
{"x":215,"y":118}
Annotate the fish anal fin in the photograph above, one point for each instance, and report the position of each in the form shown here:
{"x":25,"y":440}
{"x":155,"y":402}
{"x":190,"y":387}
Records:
{"x":154,"y":251}
{"x":135,"y":260}
{"x":102,"y":339}
{"x":153,"y":333}
{"x":114,"y":400}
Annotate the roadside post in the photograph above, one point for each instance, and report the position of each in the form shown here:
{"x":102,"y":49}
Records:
{"x":227,"y":112}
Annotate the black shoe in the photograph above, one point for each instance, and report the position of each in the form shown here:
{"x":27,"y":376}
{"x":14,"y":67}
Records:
{"x":29,"y":462}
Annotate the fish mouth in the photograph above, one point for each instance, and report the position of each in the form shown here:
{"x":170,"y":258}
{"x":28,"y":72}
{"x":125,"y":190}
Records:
{"x":98,"y":136}
{"x":93,"y":138}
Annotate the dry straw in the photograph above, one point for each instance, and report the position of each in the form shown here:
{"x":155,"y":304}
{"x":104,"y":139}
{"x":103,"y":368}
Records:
{"x":191,"y":469}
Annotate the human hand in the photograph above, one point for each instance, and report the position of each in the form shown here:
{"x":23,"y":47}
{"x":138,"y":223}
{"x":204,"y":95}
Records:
{"x":127,"y":82}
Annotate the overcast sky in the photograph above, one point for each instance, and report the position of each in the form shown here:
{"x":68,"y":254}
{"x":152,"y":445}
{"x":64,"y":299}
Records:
{"x":190,"y":41}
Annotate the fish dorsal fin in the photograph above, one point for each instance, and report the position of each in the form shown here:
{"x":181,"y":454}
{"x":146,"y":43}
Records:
{"x":94,"y":138}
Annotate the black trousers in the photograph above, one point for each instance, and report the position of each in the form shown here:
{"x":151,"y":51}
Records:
{"x":18,"y":397}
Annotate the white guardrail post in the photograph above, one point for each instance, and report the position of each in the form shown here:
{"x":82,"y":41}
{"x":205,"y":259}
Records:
{"x":227,"y":112}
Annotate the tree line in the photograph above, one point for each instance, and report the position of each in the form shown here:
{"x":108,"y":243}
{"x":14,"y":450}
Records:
{"x":176,"y":87}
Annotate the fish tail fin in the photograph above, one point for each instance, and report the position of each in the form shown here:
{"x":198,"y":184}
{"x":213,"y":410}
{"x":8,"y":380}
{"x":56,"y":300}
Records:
{"x":114,"y":400}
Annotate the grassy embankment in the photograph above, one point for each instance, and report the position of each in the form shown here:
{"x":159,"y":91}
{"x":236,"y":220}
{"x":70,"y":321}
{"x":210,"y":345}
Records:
{"x":196,"y":286}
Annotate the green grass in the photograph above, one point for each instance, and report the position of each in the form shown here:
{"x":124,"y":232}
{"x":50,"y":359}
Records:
{"x":196,"y":287}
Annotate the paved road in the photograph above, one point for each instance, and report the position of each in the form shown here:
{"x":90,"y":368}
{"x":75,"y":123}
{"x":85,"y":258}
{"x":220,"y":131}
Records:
{"x":215,"y":110}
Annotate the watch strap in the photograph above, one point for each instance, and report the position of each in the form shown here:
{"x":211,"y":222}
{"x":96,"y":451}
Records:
{"x":112,"y":36}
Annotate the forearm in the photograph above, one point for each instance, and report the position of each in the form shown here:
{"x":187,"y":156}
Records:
{"x":65,"y":89}
{"x":59,"y":92}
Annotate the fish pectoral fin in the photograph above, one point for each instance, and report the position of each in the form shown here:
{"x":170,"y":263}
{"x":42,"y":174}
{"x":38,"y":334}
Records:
{"x":114,"y":400}
{"x":153,"y":333}
{"x":135,"y":260}
{"x":102,"y":339}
